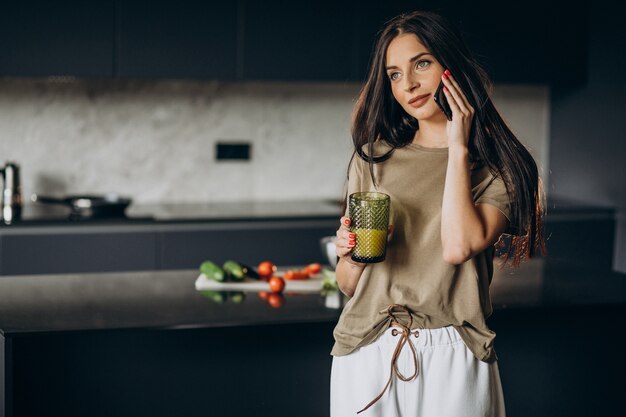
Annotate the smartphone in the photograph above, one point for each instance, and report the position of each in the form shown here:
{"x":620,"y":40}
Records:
{"x":442,"y":102}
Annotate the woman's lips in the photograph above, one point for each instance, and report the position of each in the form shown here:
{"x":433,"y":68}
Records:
{"x":420,"y":101}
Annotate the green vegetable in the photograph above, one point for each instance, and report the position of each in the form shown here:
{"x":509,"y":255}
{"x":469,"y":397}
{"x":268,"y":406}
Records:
{"x":213,"y":271}
{"x":234,"y":271}
{"x":329,"y":283}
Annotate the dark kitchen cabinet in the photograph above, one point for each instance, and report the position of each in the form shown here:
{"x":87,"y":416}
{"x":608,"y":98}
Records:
{"x":297,"y":40}
{"x":276,"y":40}
{"x":527,"y":42}
{"x":284,"y":243}
{"x":165,"y":39}
{"x":516,"y":42}
{"x":588,"y":242}
{"x":75,"y":252}
{"x":68,"y":38}
{"x":76,"y":249}
{"x":177,"y":372}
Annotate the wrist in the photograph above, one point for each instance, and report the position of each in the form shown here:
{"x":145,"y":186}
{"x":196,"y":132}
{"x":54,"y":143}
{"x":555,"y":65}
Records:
{"x":352,"y":264}
{"x":458,"y":155}
{"x":458,"y":148}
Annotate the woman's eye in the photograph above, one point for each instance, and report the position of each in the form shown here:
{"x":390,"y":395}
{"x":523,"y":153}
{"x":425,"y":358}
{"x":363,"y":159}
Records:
{"x":418,"y":64}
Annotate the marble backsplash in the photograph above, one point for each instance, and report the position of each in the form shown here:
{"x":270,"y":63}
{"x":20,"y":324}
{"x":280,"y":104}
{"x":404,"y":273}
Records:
{"x":155,"y":140}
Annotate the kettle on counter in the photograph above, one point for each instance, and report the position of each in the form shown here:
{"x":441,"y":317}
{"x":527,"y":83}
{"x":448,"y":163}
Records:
{"x":11,"y":203}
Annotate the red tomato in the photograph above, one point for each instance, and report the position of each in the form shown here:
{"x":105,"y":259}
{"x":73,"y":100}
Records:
{"x":303,"y":274}
{"x":276,"y":300}
{"x":314,"y":268}
{"x":277,"y":284}
{"x":266,"y":269}
{"x":296,"y":274}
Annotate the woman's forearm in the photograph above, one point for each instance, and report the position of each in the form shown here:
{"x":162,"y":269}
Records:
{"x":348,"y":274}
{"x":460,"y":221}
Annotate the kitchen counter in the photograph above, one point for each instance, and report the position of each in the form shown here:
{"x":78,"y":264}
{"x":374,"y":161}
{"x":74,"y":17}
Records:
{"x":54,"y":215}
{"x":179,"y":236}
{"x":160,"y":213}
{"x":168,"y":299}
{"x":148,"y":343}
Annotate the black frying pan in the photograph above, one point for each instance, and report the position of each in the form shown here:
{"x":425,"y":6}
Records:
{"x":89,"y":206}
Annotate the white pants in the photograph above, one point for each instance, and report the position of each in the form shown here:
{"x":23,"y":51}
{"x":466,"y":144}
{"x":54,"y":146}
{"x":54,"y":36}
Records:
{"x":450,"y":382}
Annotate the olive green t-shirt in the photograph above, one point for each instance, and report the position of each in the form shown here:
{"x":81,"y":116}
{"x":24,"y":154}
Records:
{"x":414,"y":272}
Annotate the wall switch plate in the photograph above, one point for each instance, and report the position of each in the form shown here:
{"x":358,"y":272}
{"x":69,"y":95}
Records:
{"x":232,"y":151}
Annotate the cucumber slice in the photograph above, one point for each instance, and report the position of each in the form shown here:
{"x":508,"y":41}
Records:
{"x":213,"y":271}
{"x":234,"y":271}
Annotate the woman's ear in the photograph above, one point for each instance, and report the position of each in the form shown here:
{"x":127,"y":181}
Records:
{"x":390,"y":233}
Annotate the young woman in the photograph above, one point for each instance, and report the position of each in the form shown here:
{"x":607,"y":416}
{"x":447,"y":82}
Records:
{"x":456,"y":186}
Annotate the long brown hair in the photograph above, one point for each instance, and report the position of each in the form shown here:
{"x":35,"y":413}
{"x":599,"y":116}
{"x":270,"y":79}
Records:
{"x":378,"y":116}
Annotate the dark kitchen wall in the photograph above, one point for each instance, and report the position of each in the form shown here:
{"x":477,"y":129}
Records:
{"x":587,"y":135}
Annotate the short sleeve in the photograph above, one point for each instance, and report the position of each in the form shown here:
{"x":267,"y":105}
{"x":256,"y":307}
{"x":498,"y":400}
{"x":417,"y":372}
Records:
{"x":493,"y":191}
{"x":355,"y":175}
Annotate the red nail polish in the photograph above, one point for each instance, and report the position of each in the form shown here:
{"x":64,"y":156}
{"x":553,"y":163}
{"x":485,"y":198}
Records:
{"x":445,"y":88}
{"x":352,"y":242}
{"x":445,"y":77}
{"x":447,"y":72}
{"x":347,"y":221}
{"x":352,"y":236}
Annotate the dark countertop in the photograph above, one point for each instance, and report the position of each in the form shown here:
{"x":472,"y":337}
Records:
{"x":168,"y":299}
{"x":34,"y":214}
{"x":55,"y":215}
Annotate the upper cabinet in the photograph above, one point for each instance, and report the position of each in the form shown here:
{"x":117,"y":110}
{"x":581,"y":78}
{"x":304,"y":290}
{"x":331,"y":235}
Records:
{"x":167,"y":39}
{"x":520,"y":42}
{"x":276,"y":40}
{"x":529,"y":42}
{"x":297,"y":40}
{"x":67,"y":38}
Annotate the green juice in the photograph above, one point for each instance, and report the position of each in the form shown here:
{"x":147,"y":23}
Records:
{"x":370,"y":244}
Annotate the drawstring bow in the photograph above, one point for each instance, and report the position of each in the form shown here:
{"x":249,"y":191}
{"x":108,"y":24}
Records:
{"x":406,"y":332}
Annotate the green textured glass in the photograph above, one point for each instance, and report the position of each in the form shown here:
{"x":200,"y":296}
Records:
{"x":369,"y":221}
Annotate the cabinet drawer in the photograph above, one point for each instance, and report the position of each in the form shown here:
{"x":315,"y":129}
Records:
{"x":77,"y":252}
{"x":283,"y":243}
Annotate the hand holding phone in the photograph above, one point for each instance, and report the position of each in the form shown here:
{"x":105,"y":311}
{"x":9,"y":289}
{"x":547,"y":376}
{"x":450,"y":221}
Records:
{"x":442,"y":102}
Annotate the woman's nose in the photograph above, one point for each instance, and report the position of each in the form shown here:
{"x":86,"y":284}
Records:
{"x":410,"y":83}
